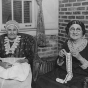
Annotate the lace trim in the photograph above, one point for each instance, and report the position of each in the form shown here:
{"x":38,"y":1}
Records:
{"x":11,"y":49}
{"x":79,"y":48}
{"x":68,"y":68}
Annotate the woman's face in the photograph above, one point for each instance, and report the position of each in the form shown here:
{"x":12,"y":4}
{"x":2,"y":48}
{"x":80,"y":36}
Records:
{"x":75,"y":32}
{"x":12,"y":31}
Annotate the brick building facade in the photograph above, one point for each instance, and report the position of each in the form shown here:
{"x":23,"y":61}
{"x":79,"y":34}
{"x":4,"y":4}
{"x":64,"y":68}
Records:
{"x":70,"y":10}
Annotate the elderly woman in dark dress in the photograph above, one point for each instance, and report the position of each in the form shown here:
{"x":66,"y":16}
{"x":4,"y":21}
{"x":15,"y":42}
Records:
{"x":77,"y":46}
{"x":16,"y":57}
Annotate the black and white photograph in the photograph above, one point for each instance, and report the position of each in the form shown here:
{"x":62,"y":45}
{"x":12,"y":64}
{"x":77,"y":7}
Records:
{"x":43,"y":43}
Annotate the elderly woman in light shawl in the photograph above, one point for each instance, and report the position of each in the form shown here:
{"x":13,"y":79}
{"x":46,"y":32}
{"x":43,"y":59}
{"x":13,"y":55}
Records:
{"x":15,"y":58}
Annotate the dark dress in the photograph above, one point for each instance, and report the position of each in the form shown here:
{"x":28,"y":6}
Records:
{"x":24,"y":49}
{"x":48,"y":80}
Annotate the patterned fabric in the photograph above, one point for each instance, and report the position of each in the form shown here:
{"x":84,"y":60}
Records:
{"x":40,"y":26}
{"x":26,"y":48}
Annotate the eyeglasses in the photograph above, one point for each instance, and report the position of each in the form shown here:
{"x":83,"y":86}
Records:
{"x":73,"y":29}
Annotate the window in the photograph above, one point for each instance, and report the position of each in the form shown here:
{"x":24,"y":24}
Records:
{"x":23,"y":11}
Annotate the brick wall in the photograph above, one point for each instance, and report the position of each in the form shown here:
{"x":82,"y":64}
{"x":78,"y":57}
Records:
{"x":49,"y":51}
{"x":52,"y":47}
{"x":70,"y":10}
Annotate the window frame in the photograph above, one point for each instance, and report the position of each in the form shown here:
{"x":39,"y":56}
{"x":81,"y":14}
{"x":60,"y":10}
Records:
{"x":23,"y":25}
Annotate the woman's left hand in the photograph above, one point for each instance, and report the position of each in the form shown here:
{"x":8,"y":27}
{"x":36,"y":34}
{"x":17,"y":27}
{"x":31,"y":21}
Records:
{"x":76,"y":54}
{"x":80,"y":58}
{"x":84,"y":66}
{"x":22,"y":61}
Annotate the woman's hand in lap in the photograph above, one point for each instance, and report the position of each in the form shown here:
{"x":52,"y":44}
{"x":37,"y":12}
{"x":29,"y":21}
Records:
{"x":6,"y":65}
{"x":22,"y":61}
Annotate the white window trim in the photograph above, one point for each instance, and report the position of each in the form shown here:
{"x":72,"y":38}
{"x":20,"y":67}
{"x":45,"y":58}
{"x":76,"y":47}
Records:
{"x":24,"y":25}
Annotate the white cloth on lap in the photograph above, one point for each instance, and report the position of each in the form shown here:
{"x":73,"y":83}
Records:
{"x":15,"y":83}
{"x":19,"y":71}
{"x":11,"y":60}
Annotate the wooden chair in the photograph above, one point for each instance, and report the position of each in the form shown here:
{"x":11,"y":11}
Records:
{"x":86,"y":82}
{"x":33,"y":44}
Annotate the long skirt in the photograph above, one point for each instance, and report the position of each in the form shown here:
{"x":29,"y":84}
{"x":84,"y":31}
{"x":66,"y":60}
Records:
{"x":49,"y":80}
